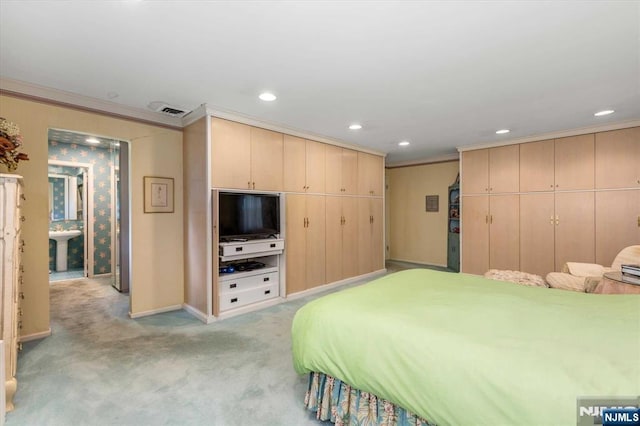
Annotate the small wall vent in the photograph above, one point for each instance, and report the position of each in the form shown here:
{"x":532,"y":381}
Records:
{"x":168,"y":109}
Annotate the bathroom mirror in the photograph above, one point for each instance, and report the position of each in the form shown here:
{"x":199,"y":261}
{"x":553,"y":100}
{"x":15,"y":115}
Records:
{"x":65,"y":194}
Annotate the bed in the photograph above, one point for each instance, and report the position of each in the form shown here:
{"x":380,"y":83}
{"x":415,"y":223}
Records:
{"x":456,"y":349}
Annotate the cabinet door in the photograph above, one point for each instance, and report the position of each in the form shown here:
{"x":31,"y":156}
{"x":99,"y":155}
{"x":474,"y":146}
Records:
{"x":536,"y":166}
{"x":334,"y":239}
{"x":349,"y":237}
{"x":230,"y":154}
{"x":618,"y":159}
{"x":315,"y":167}
{"x":537,"y":233}
{"x":349,"y":171}
{"x":575,"y":230}
{"x":370,"y":170}
{"x":296,"y":243}
{"x":574,"y":162}
{"x":617,"y":223}
{"x":377,"y":235}
{"x":504,"y":169}
{"x":333,"y":169}
{"x":504,"y":232}
{"x":475,"y":172}
{"x":315,"y":241}
{"x":475,"y":234}
{"x":365,"y":250}
{"x":266,"y":159}
{"x":294,"y":164}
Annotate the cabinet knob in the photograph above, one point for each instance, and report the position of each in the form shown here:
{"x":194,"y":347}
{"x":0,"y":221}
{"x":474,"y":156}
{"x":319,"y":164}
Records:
{"x":249,"y":185}
{"x":23,"y":197}
{"x":22,"y":218}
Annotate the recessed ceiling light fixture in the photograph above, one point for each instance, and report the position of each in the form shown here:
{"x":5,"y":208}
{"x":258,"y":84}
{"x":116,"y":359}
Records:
{"x":355,"y":126}
{"x":404,"y":143}
{"x":502,"y":131}
{"x":267,"y":97}
{"x":605,"y":112}
{"x":92,"y":140}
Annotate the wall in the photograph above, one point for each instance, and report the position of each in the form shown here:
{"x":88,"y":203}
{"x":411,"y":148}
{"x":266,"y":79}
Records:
{"x":156,"y":239}
{"x":414,"y":234}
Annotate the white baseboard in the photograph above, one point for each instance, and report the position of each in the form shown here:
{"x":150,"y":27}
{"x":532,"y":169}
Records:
{"x":207,"y":319}
{"x":155,"y":311}
{"x":335,"y":284}
{"x":100,"y":275}
{"x":35,"y":336}
{"x":416,"y":262}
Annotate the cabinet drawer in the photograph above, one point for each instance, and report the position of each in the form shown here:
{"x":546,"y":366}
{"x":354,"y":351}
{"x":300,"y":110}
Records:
{"x":240,"y":284}
{"x":230,"y":300}
{"x":262,"y":246}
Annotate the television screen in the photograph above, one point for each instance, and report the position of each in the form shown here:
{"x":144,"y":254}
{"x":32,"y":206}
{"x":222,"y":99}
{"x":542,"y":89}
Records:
{"x":248,"y":215}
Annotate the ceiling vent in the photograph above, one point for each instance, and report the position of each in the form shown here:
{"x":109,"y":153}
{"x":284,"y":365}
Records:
{"x":168,"y":109}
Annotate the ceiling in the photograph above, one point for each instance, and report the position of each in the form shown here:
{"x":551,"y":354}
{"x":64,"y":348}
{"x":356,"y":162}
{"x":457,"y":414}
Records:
{"x":437,"y":74}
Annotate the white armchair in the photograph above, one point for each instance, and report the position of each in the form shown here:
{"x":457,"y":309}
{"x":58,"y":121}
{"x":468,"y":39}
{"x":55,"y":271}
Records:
{"x":584,"y":277}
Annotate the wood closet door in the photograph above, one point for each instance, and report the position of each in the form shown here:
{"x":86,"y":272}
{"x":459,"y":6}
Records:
{"x":537,"y":166}
{"x":364,"y":236}
{"x":377,"y":232}
{"x":475,"y":234}
{"x":504,"y":232}
{"x":617,"y":223}
{"x":475,"y":172}
{"x":333,"y":169}
{"x":315,"y":259}
{"x":230,"y":154}
{"x":349,"y":171}
{"x":575,"y":227}
{"x":334,"y":239}
{"x":618,"y":159}
{"x":574,"y":163}
{"x":296,"y":243}
{"x":349,"y":237}
{"x":504,"y":169}
{"x":537,"y":233}
{"x":294,"y":164}
{"x":315,"y":167}
{"x":266,"y":159}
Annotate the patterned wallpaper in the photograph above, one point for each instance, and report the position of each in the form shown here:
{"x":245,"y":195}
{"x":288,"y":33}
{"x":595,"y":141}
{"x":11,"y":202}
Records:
{"x":102,"y":160}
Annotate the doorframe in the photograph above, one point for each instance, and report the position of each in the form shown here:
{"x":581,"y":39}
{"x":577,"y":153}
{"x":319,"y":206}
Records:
{"x":87,"y":213}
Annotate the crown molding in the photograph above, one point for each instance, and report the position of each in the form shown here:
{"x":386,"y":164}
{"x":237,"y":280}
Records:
{"x":556,"y":135}
{"x":39,"y":93}
{"x":446,"y":158}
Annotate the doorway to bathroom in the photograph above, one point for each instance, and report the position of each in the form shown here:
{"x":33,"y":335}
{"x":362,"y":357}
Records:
{"x":88,"y":208}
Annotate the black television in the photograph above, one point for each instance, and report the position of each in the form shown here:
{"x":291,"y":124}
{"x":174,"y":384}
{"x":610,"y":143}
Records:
{"x":248,"y":216}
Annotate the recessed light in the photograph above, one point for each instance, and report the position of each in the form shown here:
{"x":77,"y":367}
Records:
{"x":92,"y":140}
{"x":502,"y":131}
{"x":268,"y":97}
{"x":355,"y":127}
{"x":605,"y":112}
{"x":404,"y":143}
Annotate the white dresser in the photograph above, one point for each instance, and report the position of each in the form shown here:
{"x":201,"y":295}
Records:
{"x":11,"y":247}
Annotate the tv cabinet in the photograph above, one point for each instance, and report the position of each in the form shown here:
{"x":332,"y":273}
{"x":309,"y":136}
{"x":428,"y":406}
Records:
{"x":245,"y":287}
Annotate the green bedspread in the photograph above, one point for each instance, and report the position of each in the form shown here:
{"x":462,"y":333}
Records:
{"x":459,"y":349}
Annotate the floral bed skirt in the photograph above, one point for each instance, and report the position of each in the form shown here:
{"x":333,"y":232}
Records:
{"x":343,"y":405}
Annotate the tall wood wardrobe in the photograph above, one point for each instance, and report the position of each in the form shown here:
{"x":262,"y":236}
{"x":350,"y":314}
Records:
{"x":534,"y":206}
{"x":332,"y":206}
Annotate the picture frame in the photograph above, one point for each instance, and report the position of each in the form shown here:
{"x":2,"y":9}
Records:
{"x":158,"y":194}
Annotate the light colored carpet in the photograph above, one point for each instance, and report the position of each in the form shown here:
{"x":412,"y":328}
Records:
{"x":101,"y":368}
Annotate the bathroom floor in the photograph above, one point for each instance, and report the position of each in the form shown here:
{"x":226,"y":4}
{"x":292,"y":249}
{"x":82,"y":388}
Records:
{"x":70,"y":274}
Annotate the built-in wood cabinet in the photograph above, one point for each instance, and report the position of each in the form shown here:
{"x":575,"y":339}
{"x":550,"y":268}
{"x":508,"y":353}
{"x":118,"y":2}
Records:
{"x":613,"y":151}
{"x":493,"y":170}
{"x":370,"y":172}
{"x":490,"y":227}
{"x":342,"y":238}
{"x":577,"y":201}
{"x":370,"y":235}
{"x":304,"y":165}
{"x":245,"y":157}
{"x":305,"y":242}
{"x":341,"y":170}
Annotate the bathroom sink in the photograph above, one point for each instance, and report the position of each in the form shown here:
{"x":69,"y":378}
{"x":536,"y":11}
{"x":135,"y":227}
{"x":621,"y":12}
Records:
{"x":62,"y":245}
{"x":64,"y":235}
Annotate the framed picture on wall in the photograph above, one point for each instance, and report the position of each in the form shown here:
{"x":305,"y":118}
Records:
{"x":158,"y":194}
